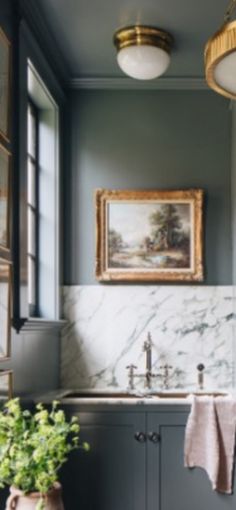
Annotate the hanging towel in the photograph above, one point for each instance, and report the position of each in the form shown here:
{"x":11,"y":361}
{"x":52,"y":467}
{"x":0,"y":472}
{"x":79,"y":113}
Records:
{"x":226,"y":426}
{"x":201,"y":438}
{"x":210,"y":439}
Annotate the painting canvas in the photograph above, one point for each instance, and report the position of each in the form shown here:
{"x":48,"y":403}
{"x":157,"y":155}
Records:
{"x":5,"y":309}
{"x":4,"y":84}
{"x":149,"y":235}
{"x":6,"y":384}
{"x":4,"y":197}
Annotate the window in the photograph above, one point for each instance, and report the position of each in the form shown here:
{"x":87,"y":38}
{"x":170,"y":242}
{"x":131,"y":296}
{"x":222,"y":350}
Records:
{"x":42,"y":200}
{"x":32,"y":207}
{"x":36,"y":225}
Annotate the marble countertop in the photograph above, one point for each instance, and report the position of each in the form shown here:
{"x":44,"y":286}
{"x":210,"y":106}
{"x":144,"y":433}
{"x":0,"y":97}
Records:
{"x":124,"y":397}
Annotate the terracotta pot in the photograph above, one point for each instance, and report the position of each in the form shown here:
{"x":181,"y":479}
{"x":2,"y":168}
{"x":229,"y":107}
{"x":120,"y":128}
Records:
{"x":17,"y":500}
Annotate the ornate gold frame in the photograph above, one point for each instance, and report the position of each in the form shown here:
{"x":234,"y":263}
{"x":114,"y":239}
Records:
{"x":7,"y":45}
{"x":7,"y":275}
{"x":104,"y":197}
{"x":7,"y":247}
{"x":9,"y":391}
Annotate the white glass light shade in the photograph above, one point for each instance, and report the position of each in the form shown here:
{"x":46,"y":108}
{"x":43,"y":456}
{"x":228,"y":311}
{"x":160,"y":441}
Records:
{"x":225,"y":73}
{"x":143,"y":62}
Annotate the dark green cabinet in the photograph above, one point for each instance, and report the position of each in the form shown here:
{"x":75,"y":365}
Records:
{"x":136,"y":462}
{"x":111,"y":475}
{"x":171,"y":486}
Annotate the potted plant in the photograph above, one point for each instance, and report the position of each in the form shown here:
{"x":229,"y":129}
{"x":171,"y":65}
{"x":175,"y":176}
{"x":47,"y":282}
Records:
{"x":33,"y":447}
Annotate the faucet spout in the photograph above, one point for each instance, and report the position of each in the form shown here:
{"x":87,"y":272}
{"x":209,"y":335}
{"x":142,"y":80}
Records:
{"x":147,"y":347}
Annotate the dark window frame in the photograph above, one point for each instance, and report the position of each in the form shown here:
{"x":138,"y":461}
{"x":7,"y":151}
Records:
{"x":33,"y":307}
{"x":36,"y":68}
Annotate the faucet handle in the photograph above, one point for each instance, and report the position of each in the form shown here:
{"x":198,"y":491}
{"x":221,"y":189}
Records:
{"x":131,"y":368}
{"x":166,"y":367}
{"x":166,"y":374}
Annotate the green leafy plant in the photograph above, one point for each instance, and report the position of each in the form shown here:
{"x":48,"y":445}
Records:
{"x":33,"y":446}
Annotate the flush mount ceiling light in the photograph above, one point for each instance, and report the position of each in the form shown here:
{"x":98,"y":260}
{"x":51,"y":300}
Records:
{"x":143,"y":52}
{"x":220,"y":57}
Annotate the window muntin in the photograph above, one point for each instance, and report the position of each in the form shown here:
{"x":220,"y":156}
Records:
{"x":32,"y":207}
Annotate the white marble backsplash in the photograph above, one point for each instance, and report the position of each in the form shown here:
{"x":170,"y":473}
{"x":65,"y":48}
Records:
{"x":107,"y":326}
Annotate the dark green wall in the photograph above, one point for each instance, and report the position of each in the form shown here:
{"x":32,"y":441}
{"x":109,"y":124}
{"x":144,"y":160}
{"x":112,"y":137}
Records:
{"x":147,"y":139}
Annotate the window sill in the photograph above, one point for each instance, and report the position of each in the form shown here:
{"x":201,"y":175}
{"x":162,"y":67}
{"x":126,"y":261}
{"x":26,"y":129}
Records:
{"x":23,"y":325}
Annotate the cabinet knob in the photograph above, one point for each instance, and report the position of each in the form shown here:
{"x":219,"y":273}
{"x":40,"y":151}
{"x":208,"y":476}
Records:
{"x":154,"y":437}
{"x":140,"y":437}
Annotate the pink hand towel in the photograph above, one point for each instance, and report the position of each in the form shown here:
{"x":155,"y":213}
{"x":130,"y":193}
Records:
{"x":226,"y":425}
{"x":210,"y":439}
{"x":201,"y":438}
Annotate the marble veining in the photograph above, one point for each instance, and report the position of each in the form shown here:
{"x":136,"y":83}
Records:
{"x":107,"y":326}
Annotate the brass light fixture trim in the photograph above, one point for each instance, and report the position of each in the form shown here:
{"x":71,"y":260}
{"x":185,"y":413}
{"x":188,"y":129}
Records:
{"x":142,"y":35}
{"x":221,"y":45}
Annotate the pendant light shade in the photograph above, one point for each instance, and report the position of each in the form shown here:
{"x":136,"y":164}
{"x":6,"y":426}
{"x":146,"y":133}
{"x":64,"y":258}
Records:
{"x":220,"y":57}
{"x":143,"y":52}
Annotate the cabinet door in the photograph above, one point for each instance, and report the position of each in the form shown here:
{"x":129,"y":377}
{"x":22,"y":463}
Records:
{"x":111,"y":476}
{"x":171,"y":486}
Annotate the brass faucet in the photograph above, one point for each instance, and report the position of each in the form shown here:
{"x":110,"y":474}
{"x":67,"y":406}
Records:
{"x":149,"y":375}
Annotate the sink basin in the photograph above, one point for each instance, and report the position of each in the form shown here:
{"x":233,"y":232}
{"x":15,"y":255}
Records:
{"x":102,"y":394}
{"x":125,"y":395}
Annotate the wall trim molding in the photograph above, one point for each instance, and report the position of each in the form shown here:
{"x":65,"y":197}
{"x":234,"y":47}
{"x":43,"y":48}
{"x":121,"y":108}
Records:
{"x":31,"y":12}
{"x":23,"y":325}
{"x":130,"y":84}
{"x":33,"y":15}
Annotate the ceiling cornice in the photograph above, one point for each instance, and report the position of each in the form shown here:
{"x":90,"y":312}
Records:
{"x":130,"y":84}
{"x":33,"y":16}
{"x":32,"y":13}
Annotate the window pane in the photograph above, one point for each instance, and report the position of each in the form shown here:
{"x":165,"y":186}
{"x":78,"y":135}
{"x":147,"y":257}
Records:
{"x":31,"y":232}
{"x":32,"y":204}
{"x":31,"y":183}
{"x":31,"y":281}
{"x":31,"y":132}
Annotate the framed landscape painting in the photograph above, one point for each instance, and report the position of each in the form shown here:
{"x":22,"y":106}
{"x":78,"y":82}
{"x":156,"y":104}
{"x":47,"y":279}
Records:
{"x":5,"y":62}
{"x":5,"y":308}
{"x":149,"y":235}
{"x":6,"y":383}
{"x":5,"y":158}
